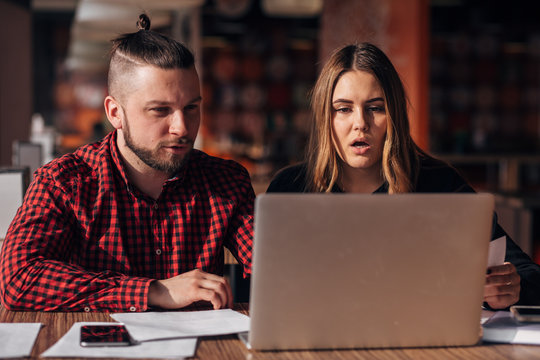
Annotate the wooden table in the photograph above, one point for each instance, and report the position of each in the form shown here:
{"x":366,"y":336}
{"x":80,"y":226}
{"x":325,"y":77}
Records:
{"x":229,"y":347}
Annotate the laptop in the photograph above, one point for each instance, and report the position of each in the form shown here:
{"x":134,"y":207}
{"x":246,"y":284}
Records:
{"x":337,"y":271}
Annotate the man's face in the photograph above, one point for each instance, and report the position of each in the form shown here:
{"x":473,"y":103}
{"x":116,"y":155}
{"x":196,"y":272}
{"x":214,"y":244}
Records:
{"x":160,"y":117}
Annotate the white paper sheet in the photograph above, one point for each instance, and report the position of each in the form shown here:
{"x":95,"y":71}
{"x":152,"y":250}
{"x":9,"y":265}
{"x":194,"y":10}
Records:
{"x":68,"y":346}
{"x":497,"y":251}
{"x":175,"y":324}
{"x":503,"y":328}
{"x":486,"y":315}
{"x":17,"y":339}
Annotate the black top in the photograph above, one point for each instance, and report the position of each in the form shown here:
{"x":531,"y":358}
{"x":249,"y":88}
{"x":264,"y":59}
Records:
{"x":435,"y":176}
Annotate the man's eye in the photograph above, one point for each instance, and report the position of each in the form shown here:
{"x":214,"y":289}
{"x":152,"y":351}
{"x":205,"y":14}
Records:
{"x":160,"y":110}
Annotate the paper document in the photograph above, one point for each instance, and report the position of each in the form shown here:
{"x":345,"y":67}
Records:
{"x":497,"y":251}
{"x":69,"y":346}
{"x":486,"y":315}
{"x":175,"y":324}
{"x":17,"y":339}
{"x":503,"y":328}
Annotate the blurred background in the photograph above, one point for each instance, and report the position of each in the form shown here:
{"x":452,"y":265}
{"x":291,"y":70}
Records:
{"x":471,"y":69}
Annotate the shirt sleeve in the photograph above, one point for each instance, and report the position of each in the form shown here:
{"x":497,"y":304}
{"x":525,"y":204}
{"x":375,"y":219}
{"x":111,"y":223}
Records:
{"x":240,"y":238}
{"x":289,"y":179}
{"x":37,"y":267}
{"x":527,"y":269}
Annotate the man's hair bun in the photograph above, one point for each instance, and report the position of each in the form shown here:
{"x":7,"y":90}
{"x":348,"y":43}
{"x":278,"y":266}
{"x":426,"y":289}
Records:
{"x":144,"y":22}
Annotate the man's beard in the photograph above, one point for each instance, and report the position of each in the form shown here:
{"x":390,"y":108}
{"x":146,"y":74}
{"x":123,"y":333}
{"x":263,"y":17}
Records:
{"x":151,"y":158}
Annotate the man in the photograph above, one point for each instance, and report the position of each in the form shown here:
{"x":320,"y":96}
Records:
{"x":140,"y":219}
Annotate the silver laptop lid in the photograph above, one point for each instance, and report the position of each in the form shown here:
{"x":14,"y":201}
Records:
{"x":364,"y":271}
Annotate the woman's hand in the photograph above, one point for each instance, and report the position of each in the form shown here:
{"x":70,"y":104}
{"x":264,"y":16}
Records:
{"x":502,"y":287}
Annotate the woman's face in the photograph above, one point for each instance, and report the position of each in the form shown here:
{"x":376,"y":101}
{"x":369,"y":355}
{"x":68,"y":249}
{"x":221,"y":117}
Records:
{"x":359,"y":120}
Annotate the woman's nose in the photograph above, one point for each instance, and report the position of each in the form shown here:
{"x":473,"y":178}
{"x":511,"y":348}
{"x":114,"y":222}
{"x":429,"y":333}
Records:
{"x":360,"y":121}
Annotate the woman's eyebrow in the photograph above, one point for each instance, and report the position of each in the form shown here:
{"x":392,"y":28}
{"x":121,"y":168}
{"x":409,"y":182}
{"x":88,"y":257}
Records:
{"x":342,"y":101}
{"x":350,"y":101}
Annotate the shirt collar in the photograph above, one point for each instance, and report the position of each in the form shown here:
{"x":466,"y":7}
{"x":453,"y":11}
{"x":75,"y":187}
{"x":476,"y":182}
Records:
{"x":181,"y":174}
{"x":382,"y":189}
{"x":115,"y":153}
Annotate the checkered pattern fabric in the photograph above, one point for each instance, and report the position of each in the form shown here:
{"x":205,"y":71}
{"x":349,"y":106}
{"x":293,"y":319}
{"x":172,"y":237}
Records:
{"x":85,"y":239}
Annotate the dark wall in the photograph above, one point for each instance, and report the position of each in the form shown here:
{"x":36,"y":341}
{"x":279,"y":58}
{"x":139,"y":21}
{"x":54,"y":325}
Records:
{"x":15,"y":77}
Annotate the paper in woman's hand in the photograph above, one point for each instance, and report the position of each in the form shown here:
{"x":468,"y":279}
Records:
{"x":497,"y":251}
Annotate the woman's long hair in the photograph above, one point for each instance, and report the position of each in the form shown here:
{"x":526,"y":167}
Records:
{"x":400,"y":153}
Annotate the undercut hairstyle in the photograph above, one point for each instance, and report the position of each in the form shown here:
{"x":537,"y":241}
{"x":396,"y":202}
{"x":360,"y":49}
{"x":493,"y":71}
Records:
{"x":141,"y":48}
{"x":400,"y":159}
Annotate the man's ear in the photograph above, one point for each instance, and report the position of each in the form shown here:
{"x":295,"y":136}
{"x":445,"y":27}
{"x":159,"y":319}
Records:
{"x":114,"y":112}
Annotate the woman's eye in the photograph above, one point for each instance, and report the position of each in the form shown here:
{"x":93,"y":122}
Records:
{"x":342,"y":110}
{"x":191,"y":107}
{"x":376,"y":109}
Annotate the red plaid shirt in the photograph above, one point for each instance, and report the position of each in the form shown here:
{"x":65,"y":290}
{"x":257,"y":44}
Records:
{"x":86,"y":239}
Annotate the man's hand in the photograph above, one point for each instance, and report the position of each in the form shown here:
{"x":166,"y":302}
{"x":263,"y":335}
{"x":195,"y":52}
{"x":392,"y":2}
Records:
{"x":503,"y":285}
{"x":187,"y":288}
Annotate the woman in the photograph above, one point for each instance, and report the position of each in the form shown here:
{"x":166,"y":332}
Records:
{"x":360,"y":142}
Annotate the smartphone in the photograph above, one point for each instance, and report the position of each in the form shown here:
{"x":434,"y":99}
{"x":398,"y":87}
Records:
{"x":524,"y":313}
{"x":105,"y":335}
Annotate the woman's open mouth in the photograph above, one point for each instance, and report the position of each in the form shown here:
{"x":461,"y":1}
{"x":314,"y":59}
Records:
{"x":360,"y":147}
{"x":360,"y":144}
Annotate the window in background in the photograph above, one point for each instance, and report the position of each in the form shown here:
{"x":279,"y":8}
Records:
{"x":257,"y":73}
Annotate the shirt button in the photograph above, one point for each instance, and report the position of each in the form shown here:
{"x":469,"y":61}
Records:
{"x":156,"y":206}
{"x":158,"y":251}
{"x":133,"y":308}
{"x":86,"y":309}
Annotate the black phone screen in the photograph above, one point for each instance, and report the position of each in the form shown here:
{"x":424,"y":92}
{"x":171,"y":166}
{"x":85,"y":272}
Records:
{"x":529,"y":311}
{"x":104,"y":335}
